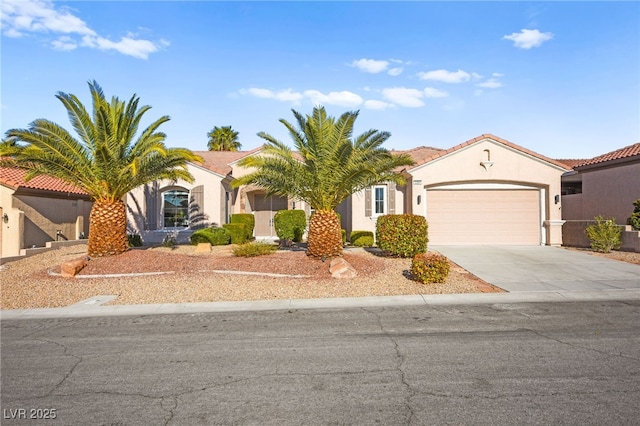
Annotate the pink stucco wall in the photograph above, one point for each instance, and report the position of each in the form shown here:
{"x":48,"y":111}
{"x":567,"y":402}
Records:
{"x":609,"y":192}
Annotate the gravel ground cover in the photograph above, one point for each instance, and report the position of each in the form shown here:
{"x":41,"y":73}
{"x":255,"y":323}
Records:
{"x":186,"y":276}
{"x":180,"y":275}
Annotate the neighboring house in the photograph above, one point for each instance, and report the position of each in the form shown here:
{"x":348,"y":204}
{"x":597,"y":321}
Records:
{"x":605,"y":185}
{"x":37,"y":212}
{"x":484,"y":191}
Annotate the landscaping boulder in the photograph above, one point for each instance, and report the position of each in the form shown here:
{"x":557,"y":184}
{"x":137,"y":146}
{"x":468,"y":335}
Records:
{"x":340,"y":268}
{"x":71,"y":268}
{"x":203,"y":248}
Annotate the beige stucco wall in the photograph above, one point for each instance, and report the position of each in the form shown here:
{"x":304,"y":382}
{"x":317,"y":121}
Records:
{"x":609,"y":192}
{"x":510,"y":168}
{"x":353,"y":210}
{"x":34,"y":220}
{"x":213,"y":208}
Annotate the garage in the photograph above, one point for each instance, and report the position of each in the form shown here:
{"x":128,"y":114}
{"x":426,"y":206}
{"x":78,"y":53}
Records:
{"x":484,"y":216}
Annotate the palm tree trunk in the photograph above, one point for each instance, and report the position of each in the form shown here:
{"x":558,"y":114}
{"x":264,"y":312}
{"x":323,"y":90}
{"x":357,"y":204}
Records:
{"x":325,"y":239}
{"x":107,"y":228}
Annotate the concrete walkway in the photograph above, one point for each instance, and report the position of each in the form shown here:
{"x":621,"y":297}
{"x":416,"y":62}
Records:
{"x":543,"y":268}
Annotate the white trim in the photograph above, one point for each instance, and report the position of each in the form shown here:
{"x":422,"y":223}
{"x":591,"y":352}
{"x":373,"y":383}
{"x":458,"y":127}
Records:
{"x":385,"y":201}
{"x":543,"y":216}
{"x":481,"y":185}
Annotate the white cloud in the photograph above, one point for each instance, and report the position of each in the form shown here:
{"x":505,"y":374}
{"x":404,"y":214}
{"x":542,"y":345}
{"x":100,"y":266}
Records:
{"x":287,"y":95}
{"x":64,"y":43}
{"x":344,"y":98}
{"x":406,"y":97}
{"x":377,"y":105}
{"x":23,"y":17}
{"x":395,"y":71}
{"x":491,"y":83}
{"x":430,"y":92}
{"x":127,"y":46}
{"x":371,"y":66}
{"x":526,"y":39}
{"x":446,"y":76}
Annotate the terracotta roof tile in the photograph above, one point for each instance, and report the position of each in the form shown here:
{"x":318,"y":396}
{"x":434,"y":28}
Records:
{"x":572,"y":162}
{"x":419,"y":154}
{"x":219,"y":161}
{"x":15,"y":179}
{"x":618,"y":154}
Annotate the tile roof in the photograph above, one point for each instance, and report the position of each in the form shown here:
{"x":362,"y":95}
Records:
{"x":441,"y":153}
{"x":219,"y":161}
{"x":420,"y":154}
{"x":15,"y":179}
{"x":618,"y":154}
{"x":572,"y":162}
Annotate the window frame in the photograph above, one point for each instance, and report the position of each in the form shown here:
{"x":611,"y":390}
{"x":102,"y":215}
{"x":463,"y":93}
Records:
{"x":185,"y":222}
{"x":375,"y":201}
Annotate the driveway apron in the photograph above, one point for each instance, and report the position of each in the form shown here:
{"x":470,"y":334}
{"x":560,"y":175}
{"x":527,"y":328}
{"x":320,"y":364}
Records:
{"x":543,"y":268}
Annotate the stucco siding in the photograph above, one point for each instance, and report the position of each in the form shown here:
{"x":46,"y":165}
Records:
{"x":496,"y":166}
{"x":34,"y":220}
{"x":610,"y":192}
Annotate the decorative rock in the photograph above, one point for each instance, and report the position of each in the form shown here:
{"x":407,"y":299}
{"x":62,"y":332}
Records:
{"x":71,"y":268}
{"x":203,"y":248}
{"x":340,"y":268}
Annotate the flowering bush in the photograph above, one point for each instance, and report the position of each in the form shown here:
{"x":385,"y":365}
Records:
{"x":430,"y":267}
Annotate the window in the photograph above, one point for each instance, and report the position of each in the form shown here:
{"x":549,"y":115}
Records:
{"x":175,"y":208}
{"x":379,"y":204}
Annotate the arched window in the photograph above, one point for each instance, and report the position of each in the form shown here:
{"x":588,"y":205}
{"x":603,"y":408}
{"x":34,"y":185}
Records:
{"x":175,"y":208}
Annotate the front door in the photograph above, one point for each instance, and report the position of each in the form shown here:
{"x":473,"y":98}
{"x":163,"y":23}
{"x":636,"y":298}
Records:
{"x":264,"y":208}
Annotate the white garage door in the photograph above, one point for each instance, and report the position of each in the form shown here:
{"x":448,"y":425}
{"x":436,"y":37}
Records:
{"x":483,"y":217}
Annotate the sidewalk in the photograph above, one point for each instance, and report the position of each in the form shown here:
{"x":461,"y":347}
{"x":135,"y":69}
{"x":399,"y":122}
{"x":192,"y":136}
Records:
{"x":93,"y":307}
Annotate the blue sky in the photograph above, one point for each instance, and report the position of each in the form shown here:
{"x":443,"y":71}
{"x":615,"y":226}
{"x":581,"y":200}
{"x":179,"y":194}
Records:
{"x":559,"y":78}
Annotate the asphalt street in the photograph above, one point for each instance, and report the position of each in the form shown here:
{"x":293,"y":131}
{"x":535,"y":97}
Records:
{"x":494,"y":363}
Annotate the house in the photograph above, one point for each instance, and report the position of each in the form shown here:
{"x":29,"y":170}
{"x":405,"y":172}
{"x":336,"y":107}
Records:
{"x":605,"y":185}
{"x":39,"y":211}
{"x":484,"y":191}
{"x":165,"y":209}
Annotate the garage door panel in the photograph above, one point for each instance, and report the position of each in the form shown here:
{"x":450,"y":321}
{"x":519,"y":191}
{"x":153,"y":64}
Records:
{"x":466,"y":217}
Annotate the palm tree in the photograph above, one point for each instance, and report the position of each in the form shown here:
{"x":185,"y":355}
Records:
{"x":223,"y":139}
{"x":107,"y":160}
{"x":328,"y":167}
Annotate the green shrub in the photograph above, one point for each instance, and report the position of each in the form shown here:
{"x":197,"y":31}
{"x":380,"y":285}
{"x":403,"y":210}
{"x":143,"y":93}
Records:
{"x":403,"y":235}
{"x":248,"y":219}
{"x":135,"y":240}
{"x":254,"y":248}
{"x":343,"y":233}
{"x":168,"y":241}
{"x":604,"y":234}
{"x":290,"y":224}
{"x":238,"y":232}
{"x":215,"y":236}
{"x":362,"y":238}
{"x":430,"y":267}
{"x":634,"y":220}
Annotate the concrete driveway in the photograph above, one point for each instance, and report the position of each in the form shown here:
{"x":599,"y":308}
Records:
{"x":543,"y":268}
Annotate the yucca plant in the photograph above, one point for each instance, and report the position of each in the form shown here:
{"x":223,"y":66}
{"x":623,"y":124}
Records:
{"x":108,"y":159}
{"x":327,"y":166}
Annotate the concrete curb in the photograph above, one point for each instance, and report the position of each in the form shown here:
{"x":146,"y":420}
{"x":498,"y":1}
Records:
{"x":92,"y":307}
